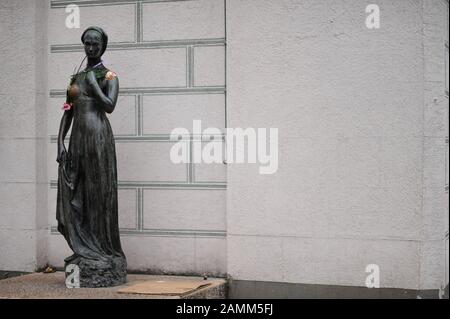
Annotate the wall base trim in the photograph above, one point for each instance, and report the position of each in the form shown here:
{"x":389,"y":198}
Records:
{"x":247,"y":289}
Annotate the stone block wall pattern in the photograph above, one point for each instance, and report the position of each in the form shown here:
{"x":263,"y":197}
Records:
{"x":23,"y":120}
{"x":170,"y":59}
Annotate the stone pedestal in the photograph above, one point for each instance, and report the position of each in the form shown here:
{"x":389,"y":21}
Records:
{"x":87,"y":273}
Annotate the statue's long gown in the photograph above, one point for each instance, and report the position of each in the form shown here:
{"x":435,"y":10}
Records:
{"x":87,"y":179}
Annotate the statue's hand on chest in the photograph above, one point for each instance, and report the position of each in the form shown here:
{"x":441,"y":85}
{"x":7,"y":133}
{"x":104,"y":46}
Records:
{"x":90,"y":78}
{"x":94,"y":83}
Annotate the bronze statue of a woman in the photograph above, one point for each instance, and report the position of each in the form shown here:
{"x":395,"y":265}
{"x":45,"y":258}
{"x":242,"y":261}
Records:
{"x":87,"y":212}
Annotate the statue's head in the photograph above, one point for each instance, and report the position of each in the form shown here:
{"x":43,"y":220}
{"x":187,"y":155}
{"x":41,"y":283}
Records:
{"x":95,"y":41}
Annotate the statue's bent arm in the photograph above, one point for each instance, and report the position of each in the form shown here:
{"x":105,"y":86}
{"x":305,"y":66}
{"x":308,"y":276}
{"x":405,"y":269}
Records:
{"x":107,"y":100}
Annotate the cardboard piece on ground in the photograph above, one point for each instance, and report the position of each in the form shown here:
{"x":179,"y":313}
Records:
{"x":164,"y":287}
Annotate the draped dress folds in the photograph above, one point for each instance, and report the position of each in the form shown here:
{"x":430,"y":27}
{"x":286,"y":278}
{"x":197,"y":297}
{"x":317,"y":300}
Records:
{"x":87,"y":211}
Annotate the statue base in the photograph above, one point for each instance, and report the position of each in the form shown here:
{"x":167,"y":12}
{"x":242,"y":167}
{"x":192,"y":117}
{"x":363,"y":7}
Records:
{"x":87,"y":273}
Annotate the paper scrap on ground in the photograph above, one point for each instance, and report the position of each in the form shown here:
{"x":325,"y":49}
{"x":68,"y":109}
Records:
{"x":163,"y":287}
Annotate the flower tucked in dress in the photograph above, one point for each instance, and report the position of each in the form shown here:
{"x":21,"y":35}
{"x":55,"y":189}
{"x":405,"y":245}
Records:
{"x":66,"y":106}
{"x":110,"y":75}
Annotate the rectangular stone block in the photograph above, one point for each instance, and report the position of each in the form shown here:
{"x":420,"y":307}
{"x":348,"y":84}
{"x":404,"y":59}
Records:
{"x":340,"y":212}
{"x":447,"y":65}
{"x":57,"y":250}
{"x":52,"y":165}
{"x":434,"y":163}
{"x":127,"y":200}
{"x":17,"y":205}
{"x":340,"y":186}
{"x":135,"y":68}
{"x":244,"y":252}
{"x":211,"y":255}
{"x":149,"y":67}
{"x":188,"y":209}
{"x":18,"y":160}
{"x":434,"y":48}
{"x":289,"y":57}
{"x":41,"y":204}
{"x":18,"y":36}
{"x":322,"y":161}
{"x":187,"y":255}
{"x":148,"y":162}
{"x":447,"y":164}
{"x":320,"y":108}
{"x":435,"y":213}
{"x":337,"y":261}
{"x":400,"y":161}
{"x":209,"y":66}
{"x":51,"y":204}
{"x":329,"y":261}
{"x":432,"y":264}
{"x":17,"y":113}
{"x":176,"y":20}
{"x":152,"y":254}
{"x":123,"y":118}
{"x":163,"y":113}
{"x":54,"y":115}
{"x":344,"y":163}
{"x":18,"y":249}
{"x":447,"y":253}
{"x":204,"y":171}
{"x":216,"y":173}
{"x":104,"y":16}
{"x":60,"y":68}
{"x":41,"y":247}
{"x":435,"y":110}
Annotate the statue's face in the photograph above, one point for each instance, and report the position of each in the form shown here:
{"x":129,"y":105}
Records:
{"x":93,"y":45}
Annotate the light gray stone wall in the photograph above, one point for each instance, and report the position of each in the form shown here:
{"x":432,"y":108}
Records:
{"x":362,"y":125}
{"x":434,"y":247}
{"x":23,"y":91}
{"x":169,"y":56}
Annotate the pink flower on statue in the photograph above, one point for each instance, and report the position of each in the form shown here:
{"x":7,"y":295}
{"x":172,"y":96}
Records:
{"x":66,"y":107}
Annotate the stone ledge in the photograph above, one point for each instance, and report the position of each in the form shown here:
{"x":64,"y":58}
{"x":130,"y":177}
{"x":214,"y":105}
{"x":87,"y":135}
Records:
{"x":52,"y":286}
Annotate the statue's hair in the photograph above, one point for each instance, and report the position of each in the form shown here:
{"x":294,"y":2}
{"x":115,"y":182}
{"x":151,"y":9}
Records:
{"x":102,"y":33}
